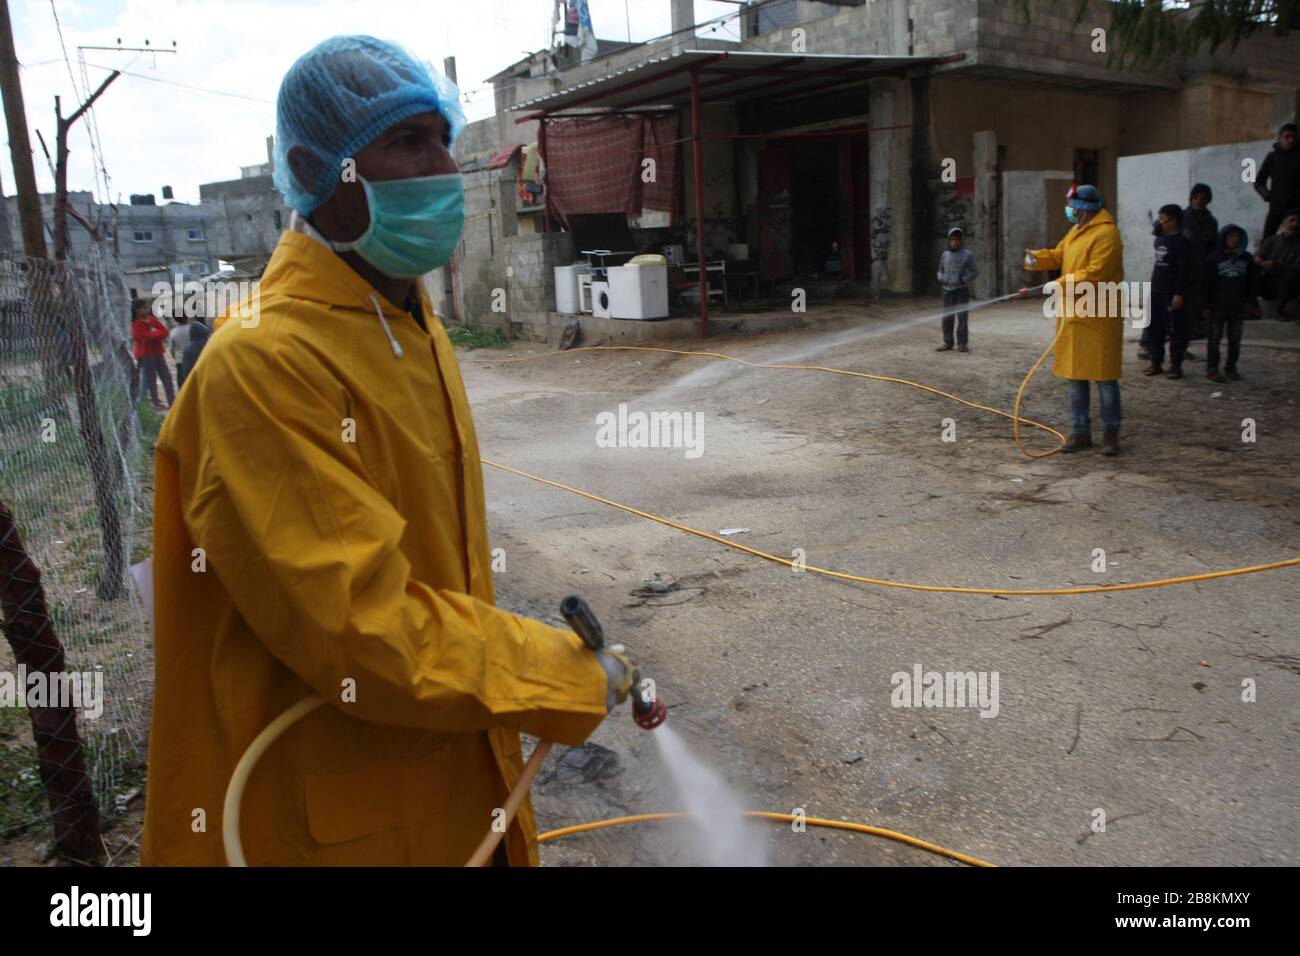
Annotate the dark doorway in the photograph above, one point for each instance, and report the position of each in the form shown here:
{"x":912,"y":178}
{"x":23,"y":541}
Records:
{"x":1087,"y":164}
{"x":774,"y":213}
{"x":815,"y":207}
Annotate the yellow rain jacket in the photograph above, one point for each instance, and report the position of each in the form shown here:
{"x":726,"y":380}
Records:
{"x":1091,"y":346}
{"x":319,"y":526}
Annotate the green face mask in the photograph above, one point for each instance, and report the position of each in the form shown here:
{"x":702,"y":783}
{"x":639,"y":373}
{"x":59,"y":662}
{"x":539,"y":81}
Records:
{"x":414,"y":224}
{"x":1072,"y":214}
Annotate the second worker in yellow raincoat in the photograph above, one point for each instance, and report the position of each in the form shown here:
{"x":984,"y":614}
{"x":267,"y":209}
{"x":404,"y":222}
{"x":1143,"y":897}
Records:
{"x":1089,"y":323}
{"x":319,"y":524}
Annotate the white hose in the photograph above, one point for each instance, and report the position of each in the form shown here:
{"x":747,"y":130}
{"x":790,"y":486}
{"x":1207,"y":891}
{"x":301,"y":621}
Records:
{"x":239,"y":779}
{"x":244,"y":769}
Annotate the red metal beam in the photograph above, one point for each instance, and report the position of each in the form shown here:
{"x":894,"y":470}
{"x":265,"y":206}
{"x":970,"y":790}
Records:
{"x":699,"y":205}
{"x":844,"y":76}
{"x":866,"y":70}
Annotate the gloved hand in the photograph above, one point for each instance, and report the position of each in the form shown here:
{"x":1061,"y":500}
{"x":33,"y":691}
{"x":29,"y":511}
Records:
{"x":621,"y":672}
{"x":1031,"y":263}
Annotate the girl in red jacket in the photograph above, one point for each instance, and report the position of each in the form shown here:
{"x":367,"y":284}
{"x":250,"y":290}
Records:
{"x":149,"y":341}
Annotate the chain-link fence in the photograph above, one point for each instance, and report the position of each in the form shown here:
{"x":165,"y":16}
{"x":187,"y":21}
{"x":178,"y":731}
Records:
{"x":75,"y":474}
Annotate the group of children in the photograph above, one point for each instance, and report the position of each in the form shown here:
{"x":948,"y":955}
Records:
{"x":1204,"y":282}
{"x":151,"y":340}
{"x":1201,"y":274}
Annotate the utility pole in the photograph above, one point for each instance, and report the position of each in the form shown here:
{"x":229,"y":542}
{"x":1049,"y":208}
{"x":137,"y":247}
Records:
{"x":20,"y":145}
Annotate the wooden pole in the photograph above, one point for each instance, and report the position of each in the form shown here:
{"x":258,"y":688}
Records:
{"x":36,"y":647}
{"x":699,"y":204}
{"x":104,"y":470}
{"x":20,"y":144}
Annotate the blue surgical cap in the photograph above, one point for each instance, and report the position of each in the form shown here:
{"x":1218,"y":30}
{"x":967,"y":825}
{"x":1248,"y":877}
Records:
{"x":337,"y":98}
{"x":1087,"y":198}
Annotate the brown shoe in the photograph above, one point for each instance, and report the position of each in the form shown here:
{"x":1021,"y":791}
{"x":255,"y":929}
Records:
{"x":1110,"y":442}
{"x":1077,"y":442}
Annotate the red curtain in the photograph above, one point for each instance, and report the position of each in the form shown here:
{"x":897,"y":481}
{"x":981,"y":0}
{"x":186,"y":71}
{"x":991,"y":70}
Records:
{"x":661,"y":132}
{"x":595,"y":165}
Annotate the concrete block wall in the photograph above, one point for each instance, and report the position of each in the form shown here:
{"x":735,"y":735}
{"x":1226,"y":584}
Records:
{"x":864,"y":29}
{"x":530,"y":260}
{"x":941,"y":27}
{"x":481,"y":268}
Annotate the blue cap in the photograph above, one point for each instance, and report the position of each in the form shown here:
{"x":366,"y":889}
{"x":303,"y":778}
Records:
{"x":1087,"y":198}
{"x":338,"y":97}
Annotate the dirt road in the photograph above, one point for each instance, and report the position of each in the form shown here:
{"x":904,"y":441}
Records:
{"x":1128,"y":704}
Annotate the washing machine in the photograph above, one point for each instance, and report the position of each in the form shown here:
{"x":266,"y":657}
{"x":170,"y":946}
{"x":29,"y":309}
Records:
{"x":600,"y":301}
{"x":639,"y":290}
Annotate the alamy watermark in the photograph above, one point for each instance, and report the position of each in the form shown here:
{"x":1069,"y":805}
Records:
{"x":922,"y":688}
{"x":624,"y":429}
{"x":80,"y":690}
{"x":233,"y":298}
{"x":1113,"y":300}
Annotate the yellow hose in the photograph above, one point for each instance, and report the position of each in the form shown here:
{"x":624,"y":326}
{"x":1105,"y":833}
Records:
{"x":779,"y":817}
{"x":842,"y":575}
{"x":244,"y":768}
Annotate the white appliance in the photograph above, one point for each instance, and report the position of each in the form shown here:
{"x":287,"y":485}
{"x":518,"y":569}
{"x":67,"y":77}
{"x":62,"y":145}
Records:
{"x":638,"y":291}
{"x":600,"y":299}
{"x":567,"y":299}
{"x":584,"y":293}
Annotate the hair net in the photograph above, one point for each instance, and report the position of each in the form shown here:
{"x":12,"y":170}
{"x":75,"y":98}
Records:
{"x":338,"y":97}
{"x":1087,"y":198}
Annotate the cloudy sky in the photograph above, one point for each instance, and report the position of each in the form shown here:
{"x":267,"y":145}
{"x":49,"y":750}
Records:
{"x":198,"y":114}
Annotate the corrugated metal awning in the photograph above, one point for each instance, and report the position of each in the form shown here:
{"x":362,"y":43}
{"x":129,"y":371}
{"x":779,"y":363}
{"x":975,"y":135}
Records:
{"x":723,"y":75}
{"x":501,"y":158}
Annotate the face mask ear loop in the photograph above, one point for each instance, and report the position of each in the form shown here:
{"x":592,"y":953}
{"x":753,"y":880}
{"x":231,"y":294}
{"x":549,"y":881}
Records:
{"x":397,"y":349}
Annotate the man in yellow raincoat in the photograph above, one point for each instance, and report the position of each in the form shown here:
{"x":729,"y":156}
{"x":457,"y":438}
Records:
{"x":319,"y":524}
{"x":1089,"y":318}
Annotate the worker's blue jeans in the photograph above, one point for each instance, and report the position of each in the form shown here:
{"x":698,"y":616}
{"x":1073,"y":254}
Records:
{"x":1107,"y":396}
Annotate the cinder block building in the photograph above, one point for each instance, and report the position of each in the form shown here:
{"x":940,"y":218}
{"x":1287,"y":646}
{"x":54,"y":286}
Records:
{"x":153,"y":241}
{"x":839,"y":141}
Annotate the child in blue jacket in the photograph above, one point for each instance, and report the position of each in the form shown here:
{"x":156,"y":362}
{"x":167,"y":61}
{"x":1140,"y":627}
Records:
{"x":956,"y":271}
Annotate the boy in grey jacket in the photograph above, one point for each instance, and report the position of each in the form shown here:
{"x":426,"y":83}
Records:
{"x":956,"y":271}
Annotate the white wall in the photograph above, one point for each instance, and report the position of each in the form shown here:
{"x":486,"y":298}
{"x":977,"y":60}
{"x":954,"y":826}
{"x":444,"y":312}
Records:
{"x":1024,"y":220}
{"x":1150,"y":180}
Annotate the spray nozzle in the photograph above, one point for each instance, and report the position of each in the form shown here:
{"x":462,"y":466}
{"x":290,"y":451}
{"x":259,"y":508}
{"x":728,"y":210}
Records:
{"x":648,"y":710}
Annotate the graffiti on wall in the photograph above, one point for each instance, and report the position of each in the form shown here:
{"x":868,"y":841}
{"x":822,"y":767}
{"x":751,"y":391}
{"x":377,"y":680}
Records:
{"x":882,"y":225}
{"x":953,"y":211}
